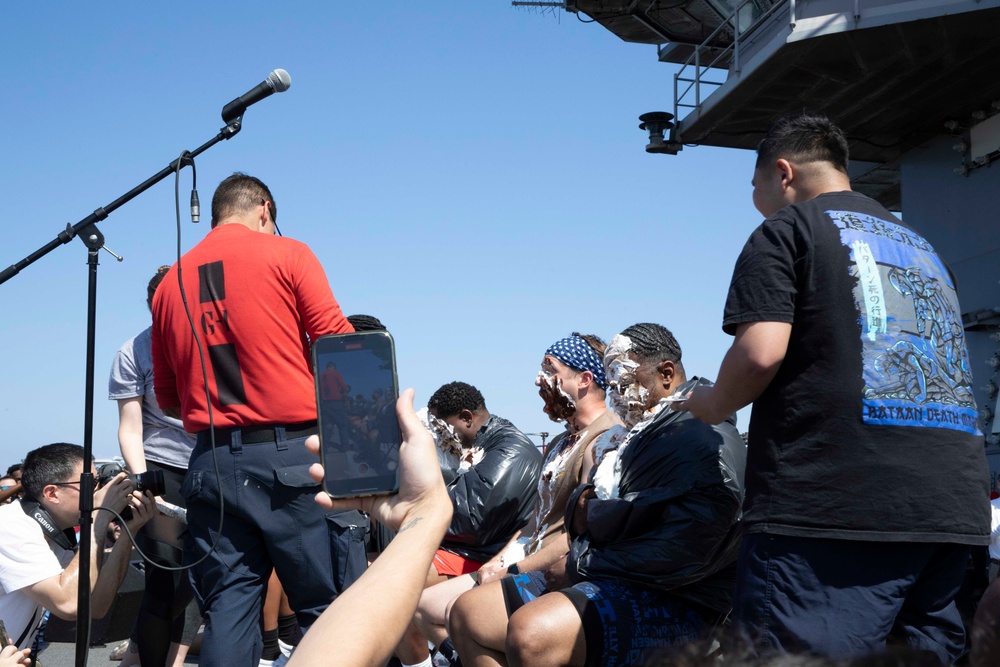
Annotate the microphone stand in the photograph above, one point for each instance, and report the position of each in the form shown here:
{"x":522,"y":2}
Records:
{"x":65,"y":236}
{"x":94,"y":240}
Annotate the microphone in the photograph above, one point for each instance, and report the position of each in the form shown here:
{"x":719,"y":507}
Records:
{"x":277,"y":81}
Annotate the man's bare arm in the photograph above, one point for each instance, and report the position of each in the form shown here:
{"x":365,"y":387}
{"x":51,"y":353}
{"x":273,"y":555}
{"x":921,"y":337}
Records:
{"x":112,"y":572}
{"x":363,"y":625}
{"x":58,"y":593}
{"x":546,"y":556}
{"x":748,"y":368}
{"x":130,"y":433}
{"x":493,"y":569}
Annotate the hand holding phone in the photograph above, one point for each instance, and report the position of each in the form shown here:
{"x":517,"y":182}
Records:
{"x":10,"y":655}
{"x":422,"y":494}
{"x":356,"y":390}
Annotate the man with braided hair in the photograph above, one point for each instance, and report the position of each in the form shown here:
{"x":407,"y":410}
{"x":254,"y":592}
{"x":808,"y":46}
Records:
{"x":366,"y":323}
{"x":652,"y":545}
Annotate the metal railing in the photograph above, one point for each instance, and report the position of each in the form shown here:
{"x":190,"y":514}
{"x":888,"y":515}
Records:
{"x":732,"y":61}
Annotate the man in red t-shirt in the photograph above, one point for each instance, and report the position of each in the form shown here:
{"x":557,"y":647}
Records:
{"x":256,"y":300}
{"x":332,"y":384}
{"x":333,"y":390}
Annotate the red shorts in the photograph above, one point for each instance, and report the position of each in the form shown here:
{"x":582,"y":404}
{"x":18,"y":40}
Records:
{"x":448,"y":564}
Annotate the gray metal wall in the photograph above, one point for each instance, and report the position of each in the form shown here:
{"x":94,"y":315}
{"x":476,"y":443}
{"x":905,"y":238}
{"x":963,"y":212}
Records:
{"x":960,"y":216}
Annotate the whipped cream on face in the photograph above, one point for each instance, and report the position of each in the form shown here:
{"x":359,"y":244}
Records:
{"x":628,"y":397}
{"x":443,"y":433}
{"x":628,"y":400}
{"x":559,"y":406}
{"x":451,"y":453}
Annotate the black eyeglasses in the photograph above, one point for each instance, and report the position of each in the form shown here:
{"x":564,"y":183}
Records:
{"x":265,"y":202}
{"x":65,"y":483}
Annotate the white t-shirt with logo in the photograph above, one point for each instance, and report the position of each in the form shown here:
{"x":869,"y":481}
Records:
{"x":26,"y":557}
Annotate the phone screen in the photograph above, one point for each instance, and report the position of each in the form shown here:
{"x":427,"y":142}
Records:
{"x":356,"y":391}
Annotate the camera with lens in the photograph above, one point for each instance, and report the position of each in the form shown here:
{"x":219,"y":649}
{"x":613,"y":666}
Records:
{"x":151,"y":480}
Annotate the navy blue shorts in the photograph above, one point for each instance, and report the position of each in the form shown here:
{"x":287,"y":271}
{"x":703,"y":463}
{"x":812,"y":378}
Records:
{"x":623,"y":625}
{"x":844,"y":598}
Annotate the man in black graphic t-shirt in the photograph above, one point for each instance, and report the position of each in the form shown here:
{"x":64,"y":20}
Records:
{"x":866,"y":478}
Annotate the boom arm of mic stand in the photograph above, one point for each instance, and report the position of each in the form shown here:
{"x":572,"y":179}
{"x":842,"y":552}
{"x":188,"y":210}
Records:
{"x":67,"y":235}
{"x":93,"y":239}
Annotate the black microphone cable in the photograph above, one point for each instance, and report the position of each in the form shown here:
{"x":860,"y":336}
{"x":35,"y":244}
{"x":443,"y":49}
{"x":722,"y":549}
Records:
{"x":185,"y":158}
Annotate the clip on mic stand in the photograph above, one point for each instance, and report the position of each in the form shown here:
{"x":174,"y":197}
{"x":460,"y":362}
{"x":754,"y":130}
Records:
{"x":94,"y":240}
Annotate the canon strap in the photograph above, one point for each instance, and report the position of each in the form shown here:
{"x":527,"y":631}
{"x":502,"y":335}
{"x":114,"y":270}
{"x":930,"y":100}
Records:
{"x":30,"y":627}
{"x":64,"y":538}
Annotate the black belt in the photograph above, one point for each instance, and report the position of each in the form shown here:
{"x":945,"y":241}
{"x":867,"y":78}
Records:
{"x":254,"y":435}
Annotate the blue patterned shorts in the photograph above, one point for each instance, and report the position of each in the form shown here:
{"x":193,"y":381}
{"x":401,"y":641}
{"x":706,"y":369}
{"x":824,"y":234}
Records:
{"x":622,"y":624}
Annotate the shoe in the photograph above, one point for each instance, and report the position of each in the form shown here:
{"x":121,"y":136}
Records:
{"x":119,"y":652}
{"x":286,"y":649}
{"x":281,"y":660}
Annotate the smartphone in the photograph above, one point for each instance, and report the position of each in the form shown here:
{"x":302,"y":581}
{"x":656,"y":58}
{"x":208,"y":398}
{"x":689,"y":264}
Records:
{"x":4,"y":641}
{"x":356,"y":391}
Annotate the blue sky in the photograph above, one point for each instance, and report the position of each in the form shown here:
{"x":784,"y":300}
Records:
{"x":470,"y":173}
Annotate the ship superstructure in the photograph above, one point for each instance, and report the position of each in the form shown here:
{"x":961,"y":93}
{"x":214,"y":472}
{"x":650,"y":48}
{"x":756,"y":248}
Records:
{"x":914,"y":83}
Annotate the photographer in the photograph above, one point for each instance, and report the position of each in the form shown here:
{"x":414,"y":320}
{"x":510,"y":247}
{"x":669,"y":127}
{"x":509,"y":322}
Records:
{"x":40,"y":569}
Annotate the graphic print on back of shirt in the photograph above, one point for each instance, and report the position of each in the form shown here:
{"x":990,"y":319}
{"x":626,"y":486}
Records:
{"x":916,"y":367}
{"x":215,"y":327}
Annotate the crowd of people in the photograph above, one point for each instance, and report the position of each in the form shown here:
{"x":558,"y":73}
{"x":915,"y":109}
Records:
{"x":839,"y":530}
